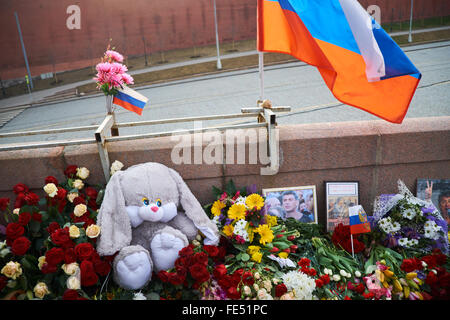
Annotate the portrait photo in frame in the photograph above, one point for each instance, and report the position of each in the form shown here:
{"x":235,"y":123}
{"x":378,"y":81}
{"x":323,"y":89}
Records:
{"x":339,"y":196}
{"x":299,"y":203}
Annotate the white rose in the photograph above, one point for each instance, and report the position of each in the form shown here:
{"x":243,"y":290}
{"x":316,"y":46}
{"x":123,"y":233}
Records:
{"x":73,"y":283}
{"x":71,"y":196}
{"x":79,"y":210}
{"x":78,"y":184}
{"x":74,"y":231}
{"x":257,"y":276}
{"x":357,"y":274}
{"x":267,"y":285}
{"x":82,"y":173}
{"x":247,"y":290}
{"x":16,"y":211}
{"x":262,"y":294}
{"x":116,"y":166}
{"x":40,"y":290}
{"x":71,"y":268}
{"x":93,"y":231}
{"x":51,"y":189}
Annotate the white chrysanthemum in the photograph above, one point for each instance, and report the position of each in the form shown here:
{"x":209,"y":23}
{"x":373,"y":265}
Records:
{"x":300,"y":284}
{"x":395,"y":227}
{"x":403,"y":242}
{"x":139,"y":296}
{"x":409,"y":214}
{"x":240,"y":229}
{"x":241,"y":200}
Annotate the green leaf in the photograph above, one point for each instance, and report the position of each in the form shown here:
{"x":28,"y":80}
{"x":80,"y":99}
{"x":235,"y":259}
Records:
{"x":230,"y":188}
{"x":44,"y":215}
{"x":217,"y":192}
{"x":100,"y":196}
{"x":23,"y":282}
{"x":35,"y":226}
{"x":43,"y":202}
{"x":245,"y":257}
{"x":152,"y":296}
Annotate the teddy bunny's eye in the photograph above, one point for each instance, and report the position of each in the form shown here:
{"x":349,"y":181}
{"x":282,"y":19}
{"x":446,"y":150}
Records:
{"x":158,"y":202}
{"x":145,"y":201}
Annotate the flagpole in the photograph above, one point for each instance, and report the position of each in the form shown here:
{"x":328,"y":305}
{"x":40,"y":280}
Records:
{"x":261,"y":74}
{"x":353,"y":251}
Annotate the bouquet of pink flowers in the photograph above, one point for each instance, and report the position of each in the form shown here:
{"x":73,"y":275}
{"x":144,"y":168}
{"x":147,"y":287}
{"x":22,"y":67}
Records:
{"x":111,"y":73}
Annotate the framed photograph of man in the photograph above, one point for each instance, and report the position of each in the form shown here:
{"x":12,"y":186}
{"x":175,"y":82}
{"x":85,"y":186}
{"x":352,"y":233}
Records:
{"x":438,"y":192}
{"x":340,"y":195}
{"x":299,"y":203}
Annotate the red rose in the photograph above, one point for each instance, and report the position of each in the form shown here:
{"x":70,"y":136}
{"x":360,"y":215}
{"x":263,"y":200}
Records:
{"x":84,"y":251}
{"x":24,"y":218}
{"x":431,"y":278}
{"x":71,"y":171}
{"x":20,"y":200}
{"x":247,"y":278}
{"x":14,"y":230}
{"x":49,"y":268}
{"x":163,"y":275}
{"x":102,"y":267}
{"x":37,"y":217}
{"x":409,"y":265}
{"x":232,"y":293}
{"x":88,"y":275}
{"x":20,"y":246}
{"x":52,"y":227}
{"x":219,"y":271}
{"x":4,"y":203}
{"x":69,"y":256}
{"x":92,"y":204}
{"x":225,"y":281}
{"x":430,"y":260}
{"x":79,"y":200}
{"x":51,"y":179}
{"x":199,"y":272}
{"x":200,"y":258}
{"x":186,"y":251}
{"x":280,"y":289}
{"x":440,"y":259}
{"x":212,"y":251}
{"x":20,"y":188}
{"x":31,"y":198}
{"x":61,"y":194}
{"x":91,"y":193}
{"x":61,"y":237}
{"x":54,"y":256}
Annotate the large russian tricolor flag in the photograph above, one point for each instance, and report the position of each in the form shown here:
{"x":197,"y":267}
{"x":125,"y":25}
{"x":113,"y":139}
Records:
{"x":361,"y":65}
{"x":130,"y":100}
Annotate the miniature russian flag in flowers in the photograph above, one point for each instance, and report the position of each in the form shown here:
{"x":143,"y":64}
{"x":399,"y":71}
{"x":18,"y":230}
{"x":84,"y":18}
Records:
{"x":130,"y":99}
{"x":358,"y":220}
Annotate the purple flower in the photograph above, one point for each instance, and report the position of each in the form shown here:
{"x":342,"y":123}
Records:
{"x":228,"y":221}
{"x":427,"y":209}
{"x":251,"y":189}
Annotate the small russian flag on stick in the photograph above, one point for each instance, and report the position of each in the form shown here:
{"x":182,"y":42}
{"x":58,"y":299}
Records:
{"x":358,"y":222}
{"x":131,"y":100}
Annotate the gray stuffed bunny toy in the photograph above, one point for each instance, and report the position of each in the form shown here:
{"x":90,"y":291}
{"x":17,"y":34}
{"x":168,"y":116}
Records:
{"x":140,"y":218}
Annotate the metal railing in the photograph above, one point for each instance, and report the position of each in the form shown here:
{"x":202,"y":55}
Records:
{"x":108,"y":131}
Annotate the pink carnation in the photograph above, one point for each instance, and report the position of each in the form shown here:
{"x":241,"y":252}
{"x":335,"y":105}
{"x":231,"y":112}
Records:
{"x":127,"y":78}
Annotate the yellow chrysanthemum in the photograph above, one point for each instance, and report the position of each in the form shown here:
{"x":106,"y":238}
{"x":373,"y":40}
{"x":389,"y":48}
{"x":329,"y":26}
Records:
{"x":252,"y":249}
{"x":254,"y":200}
{"x":236,"y":212}
{"x":271,"y":220}
{"x":283,"y":255}
{"x":217,"y":207}
{"x":228,"y":230}
{"x":257,"y":256}
{"x":266,"y":234}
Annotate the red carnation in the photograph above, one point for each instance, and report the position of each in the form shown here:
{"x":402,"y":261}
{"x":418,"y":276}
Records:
{"x":20,"y":246}
{"x":20,"y":188}
{"x":304,"y":262}
{"x":51,"y":179}
{"x":84,"y":251}
{"x":200,"y":258}
{"x":14,"y":230}
{"x":54,"y":256}
{"x":280,"y":289}
{"x":325,"y":279}
{"x":186,"y":251}
{"x":31,"y":198}
{"x":319,"y":283}
{"x":71,"y":171}
{"x":409,"y":265}
{"x":24,"y":218}
{"x":199,"y":272}
{"x":219,"y":271}
{"x":430,"y":260}
{"x":88,"y":275}
{"x":4,"y":203}
{"x":232,"y":293}
{"x":212,"y":251}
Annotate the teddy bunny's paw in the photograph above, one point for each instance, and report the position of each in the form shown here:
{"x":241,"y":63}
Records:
{"x":164,"y":249}
{"x":134,"y":270}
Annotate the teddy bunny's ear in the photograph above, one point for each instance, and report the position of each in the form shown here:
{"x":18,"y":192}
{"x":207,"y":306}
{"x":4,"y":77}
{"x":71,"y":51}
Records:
{"x":113,"y":220}
{"x":194,"y":210}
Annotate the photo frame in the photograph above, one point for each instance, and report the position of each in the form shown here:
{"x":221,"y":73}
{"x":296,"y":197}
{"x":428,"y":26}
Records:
{"x":299,"y":203}
{"x":339,"y":196}
{"x":438,"y":192}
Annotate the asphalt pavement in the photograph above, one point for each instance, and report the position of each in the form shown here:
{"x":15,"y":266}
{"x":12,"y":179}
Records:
{"x":292,"y":84}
